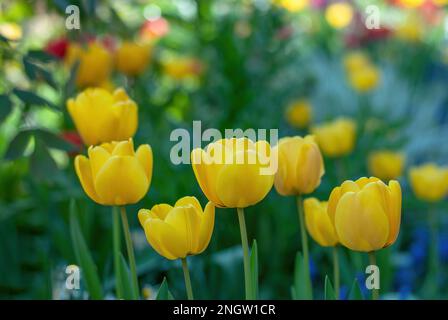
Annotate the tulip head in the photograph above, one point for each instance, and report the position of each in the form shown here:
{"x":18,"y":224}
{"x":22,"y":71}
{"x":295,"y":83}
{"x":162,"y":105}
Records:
{"x":293,"y":5}
{"x":132,"y":58}
{"x":429,"y":182}
{"x":366,"y":213}
{"x":180,"y":68}
{"x":179,"y":231}
{"x":386,"y":165}
{"x":300,"y":166}
{"x":365,"y":79}
{"x":114,"y":174}
{"x":234,"y":173}
{"x":298,"y":114}
{"x":355,"y":61}
{"x":318,"y":222}
{"x":95,"y":63}
{"x":339,"y":14}
{"x":101,"y":116}
{"x":336,"y":138}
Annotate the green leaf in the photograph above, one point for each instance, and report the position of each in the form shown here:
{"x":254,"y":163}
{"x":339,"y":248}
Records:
{"x":42,"y":165}
{"x":30,"y":98}
{"x":40,"y":56}
{"x":164,"y":293}
{"x":18,"y":145}
{"x":83,"y":256}
{"x":329,"y":292}
{"x":5,"y":106}
{"x":355,"y":291}
{"x":301,"y":278}
{"x":124,"y":277}
{"x":254,"y":269}
{"x":53,"y":141}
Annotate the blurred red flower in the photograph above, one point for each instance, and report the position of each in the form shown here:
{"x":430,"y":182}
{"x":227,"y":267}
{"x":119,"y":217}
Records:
{"x":57,"y":47}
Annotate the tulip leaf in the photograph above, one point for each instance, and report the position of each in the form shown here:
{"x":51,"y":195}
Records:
{"x":40,"y":56}
{"x":126,"y":282}
{"x":42,"y":165}
{"x":5,"y":106}
{"x":53,"y":141}
{"x":299,"y":289}
{"x":355,"y":291}
{"x":30,"y":98}
{"x":254,"y":269}
{"x":18,"y":145}
{"x":83,"y":257}
{"x":329,"y":291}
{"x":164,"y":293}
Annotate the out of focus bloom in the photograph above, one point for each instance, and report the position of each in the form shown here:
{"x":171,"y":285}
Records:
{"x":179,"y":231}
{"x":366,"y":213}
{"x":429,"y":182}
{"x":74,"y":139}
{"x":336,"y":138}
{"x":300,"y":166}
{"x":132,"y":58}
{"x":114,"y":174}
{"x":355,"y":61}
{"x":318,"y":222}
{"x":386,"y":165}
{"x":11,"y":31}
{"x":293,"y":5}
{"x":339,"y":14}
{"x":411,"y":29}
{"x":180,"y":68}
{"x":299,"y":113}
{"x":411,"y":3}
{"x":57,"y":47}
{"x":362,"y":74}
{"x":154,"y":29}
{"x":234,"y":173}
{"x":95,"y":63}
{"x":101,"y":116}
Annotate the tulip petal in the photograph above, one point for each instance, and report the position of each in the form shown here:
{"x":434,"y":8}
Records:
{"x":206,"y":229}
{"x":124,"y":148}
{"x":144,"y":156}
{"x":165,"y":240}
{"x":186,"y":222}
{"x":161,"y":210}
{"x":84,"y":173}
{"x":98,"y":157}
{"x":145,"y":214}
{"x":189,"y":201}
{"x":395,"y":211}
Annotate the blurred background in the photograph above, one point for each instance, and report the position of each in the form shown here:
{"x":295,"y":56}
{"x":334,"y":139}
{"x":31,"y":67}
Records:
{"x":287,"y":64}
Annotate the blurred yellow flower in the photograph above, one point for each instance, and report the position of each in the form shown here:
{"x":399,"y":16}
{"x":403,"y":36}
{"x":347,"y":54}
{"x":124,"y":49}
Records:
{"x":412,"y":3}
{"x":293,"y":5}
{"x":429,"y":182}
{"x":365,"y":79}
{"x":318,"y":223}
{"x":299,"y":113}
{"x":180,"y":68}
{"x":386,"y":165}
{"x":95,"y":63}
{"x":114,"y":174}
{"x":355,"y":61}
{"x":132,"y":58}
{"x":440,"y":3}
{"x":300,"y":166}
{"x":11,"y":31}
{"x":336,"y":138}
{"x":101,"y":116}
{"x":233,"y":172}
{"x":339,"y":14}
{"x":179,"y":231}
{"x":366,"y":213}
{"x":411,"y":29}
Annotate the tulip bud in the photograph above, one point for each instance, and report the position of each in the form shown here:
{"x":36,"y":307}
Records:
{"x":179,"y":231}
{"x":386,"y":165}
{"x":298,"y":114}
{"x":429,"y":182}
{"x":132,"y":58}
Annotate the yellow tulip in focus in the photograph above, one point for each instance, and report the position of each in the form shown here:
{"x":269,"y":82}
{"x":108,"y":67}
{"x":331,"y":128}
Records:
{"x":336,"y":138}
{"x":101,"y":116}
{"x":365,"y":79}
{"x":299,"y":113}
{"x":293,"y":5}
{"x":179,"y":231}
{"x":339,"y":14}
{"x":386,"y":165}
{"x":429,"y":182}
{"x":180,"y":68}
{"x":132,"y":58}
{"x":318,"y":223}
{"x":114,"y":174}
{"x":95,"y":63}
{"x":366,"y":213}
{"x":234,"y":173}
{"x":300,"y":166}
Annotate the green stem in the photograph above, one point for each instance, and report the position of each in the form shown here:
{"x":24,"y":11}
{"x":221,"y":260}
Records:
{"x":245,"y":245}
{"x":336,"y":276}
{"x":372,"y":261}
{"x":306,"y":259}
{"x":187,"y":279}
{"x":117,"y":249}
{"x":434,"y":250}
{"x":130,"y":250}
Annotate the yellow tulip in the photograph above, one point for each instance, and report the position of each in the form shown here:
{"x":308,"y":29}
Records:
{"x":366,"y":213}
{"x":101,"y":116}
{"x":365,"y":79}
{"x":339,"y":14}
{"x":336,"y":138}
{"x":300,"y":166}
{"x":293,"y":5}
{"x":318,"y":223}
{"x":114,"y":174}
{"x":440,"y":3}
{"x":179,"y":231}
{"x":132,"y":58}
{"x":412,"y":3}
{"x":411,"y":29}
{"x":355,"y":61}
{"x":95,"y":63}
{"x":429,"y":182}
{"x":180,"y":68}
{"x":298,"y":114}
{"x":230,"y":172}
{"x":386,"y":165}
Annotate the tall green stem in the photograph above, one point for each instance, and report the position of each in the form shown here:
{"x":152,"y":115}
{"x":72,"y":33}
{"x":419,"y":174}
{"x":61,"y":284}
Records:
{"x":245,"y":245}
{"x":372,"y":261}
{"x":433,"y":271}
{"x":336,"y":276}
{"x":130,"y":250}
{"x":117,"y":249}
{"x":187,"y":279}
{"x":306,"y":259}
